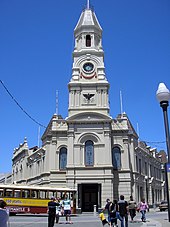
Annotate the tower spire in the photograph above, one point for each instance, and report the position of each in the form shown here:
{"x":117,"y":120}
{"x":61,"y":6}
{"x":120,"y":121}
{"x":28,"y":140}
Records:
{"x":88,"y":4}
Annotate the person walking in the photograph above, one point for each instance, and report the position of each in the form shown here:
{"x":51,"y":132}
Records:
{"x":58,"y":210}
{"x":67,"y":209}
{"x":107,"y":208}
{"x":143,"y":206}
{"x":103,"y":218}
{"x":51,"y":212}
{"x":113,"y":208}
{"x":123,"y":211}
{"x":4,"y":217}
{"x":132,"y":208}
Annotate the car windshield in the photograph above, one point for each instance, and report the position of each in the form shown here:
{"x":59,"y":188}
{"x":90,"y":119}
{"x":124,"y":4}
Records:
{"x":163,"y":202}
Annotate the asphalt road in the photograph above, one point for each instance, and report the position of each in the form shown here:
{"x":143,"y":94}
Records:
{"x":86,"y":220}
{"x":83,"y":220}
{"x":41,"y":221}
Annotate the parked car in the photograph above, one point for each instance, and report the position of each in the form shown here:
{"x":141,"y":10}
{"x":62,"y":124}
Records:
{"x":163,"y":206}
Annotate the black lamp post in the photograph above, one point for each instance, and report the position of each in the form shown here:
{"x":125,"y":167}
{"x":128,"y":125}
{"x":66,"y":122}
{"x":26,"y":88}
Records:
{"x":163,"y":96}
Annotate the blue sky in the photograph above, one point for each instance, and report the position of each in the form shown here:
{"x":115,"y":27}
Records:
{"x":36,"y":45}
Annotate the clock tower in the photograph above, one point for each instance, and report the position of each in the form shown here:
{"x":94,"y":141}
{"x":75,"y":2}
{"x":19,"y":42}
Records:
{"x":89,"y":151}
{"x":88,"y":87}
{"x":89,"y":156}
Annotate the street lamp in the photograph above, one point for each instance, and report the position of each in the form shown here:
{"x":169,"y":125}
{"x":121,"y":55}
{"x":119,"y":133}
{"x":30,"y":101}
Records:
{"x":146,"y":181}
{"x":163,"y":96}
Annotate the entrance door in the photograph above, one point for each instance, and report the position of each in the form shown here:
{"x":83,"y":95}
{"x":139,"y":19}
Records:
{"x":89,"y":197}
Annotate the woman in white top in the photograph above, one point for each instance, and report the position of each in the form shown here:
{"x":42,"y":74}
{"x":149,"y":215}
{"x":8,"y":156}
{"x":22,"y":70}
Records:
{"x":67,"y":208}
{"x":3,"y":214}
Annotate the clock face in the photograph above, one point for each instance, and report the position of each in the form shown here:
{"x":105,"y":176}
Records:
{"x":88,"y":67}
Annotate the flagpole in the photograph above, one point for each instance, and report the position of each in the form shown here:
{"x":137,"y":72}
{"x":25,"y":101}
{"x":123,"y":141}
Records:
{"x":38,"y":136}
{"x":121,"y":103}
{"x":56,"y":102}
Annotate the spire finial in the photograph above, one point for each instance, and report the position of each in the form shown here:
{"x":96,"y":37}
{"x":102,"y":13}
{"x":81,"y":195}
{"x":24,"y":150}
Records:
{"x":88,"y":4}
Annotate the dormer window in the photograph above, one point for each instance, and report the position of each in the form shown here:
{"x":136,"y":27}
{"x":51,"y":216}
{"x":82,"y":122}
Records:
{"x":88,"y":41}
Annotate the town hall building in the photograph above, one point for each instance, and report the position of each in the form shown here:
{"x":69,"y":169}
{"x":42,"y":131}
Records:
{"x":90,"y":151}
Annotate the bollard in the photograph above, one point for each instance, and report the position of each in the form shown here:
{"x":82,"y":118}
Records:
{"x":154,"y":206}
{"x":94,"y":210}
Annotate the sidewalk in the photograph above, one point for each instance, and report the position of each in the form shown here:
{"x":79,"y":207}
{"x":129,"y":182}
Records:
{"x":150,"y":221}
{"x":158,"y":223}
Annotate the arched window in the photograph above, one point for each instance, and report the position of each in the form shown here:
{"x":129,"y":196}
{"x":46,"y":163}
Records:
{"x":89,"y":153}
{"x":116,"y":158}
{"x":88,"y":41}
{"x":63,"y":158}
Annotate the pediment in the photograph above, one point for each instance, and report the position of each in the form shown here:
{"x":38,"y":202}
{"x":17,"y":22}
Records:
{"x":86,"y":117}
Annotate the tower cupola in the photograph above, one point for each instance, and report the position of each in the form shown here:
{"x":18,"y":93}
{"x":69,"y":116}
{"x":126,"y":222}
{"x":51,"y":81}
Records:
{"x":88,"y":32}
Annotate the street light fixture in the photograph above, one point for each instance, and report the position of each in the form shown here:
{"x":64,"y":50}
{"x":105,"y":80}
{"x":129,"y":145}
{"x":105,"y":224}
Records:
{"x":163,"y":96}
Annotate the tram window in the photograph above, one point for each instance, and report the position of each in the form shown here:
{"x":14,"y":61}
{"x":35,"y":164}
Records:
{"x":32,"y":194}
{"x":35,"y":194}
{"x":1,"y":193}
{"x":59,"y":195}
{"x":43,"y":194}
{"x":63,"y":195}
{"x":25,"y":193}
{"x":50,"y":194}
{"x":17,"y":193}
{"x":8,"y":193}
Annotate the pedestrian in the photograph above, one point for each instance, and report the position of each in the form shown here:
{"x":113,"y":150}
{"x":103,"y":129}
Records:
{"x":123,"y":211}
{"x":58,"y":210}
{"x":103,"y":218}
{"x":4,"y":217}
{"x":51,"y":212}
{"x":107,"y":208}
{"x":67,"y":209}
{"x":132,"y":208}
{"x":143,"y":206}
{"x":113,"y":208}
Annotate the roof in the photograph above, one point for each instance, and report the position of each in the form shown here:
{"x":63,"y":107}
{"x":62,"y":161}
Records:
{"x":34,"y":187}
{"x":88,"y":18}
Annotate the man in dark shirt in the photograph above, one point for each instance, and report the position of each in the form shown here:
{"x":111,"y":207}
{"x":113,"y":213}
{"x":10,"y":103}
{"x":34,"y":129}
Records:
{"x":51,"y":211}
{"x":4,"y":217}
{"x":122,"y":209}
{"x":107,"y":208}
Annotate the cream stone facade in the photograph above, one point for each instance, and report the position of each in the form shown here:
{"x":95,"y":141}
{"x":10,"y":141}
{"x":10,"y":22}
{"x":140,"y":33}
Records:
{"x":90,"y":151}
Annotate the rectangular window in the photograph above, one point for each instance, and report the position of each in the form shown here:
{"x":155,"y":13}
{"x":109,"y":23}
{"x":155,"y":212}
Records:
{"x":146,"y":169}
{"x":137,"y":167}
{"x":140,"y":166}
